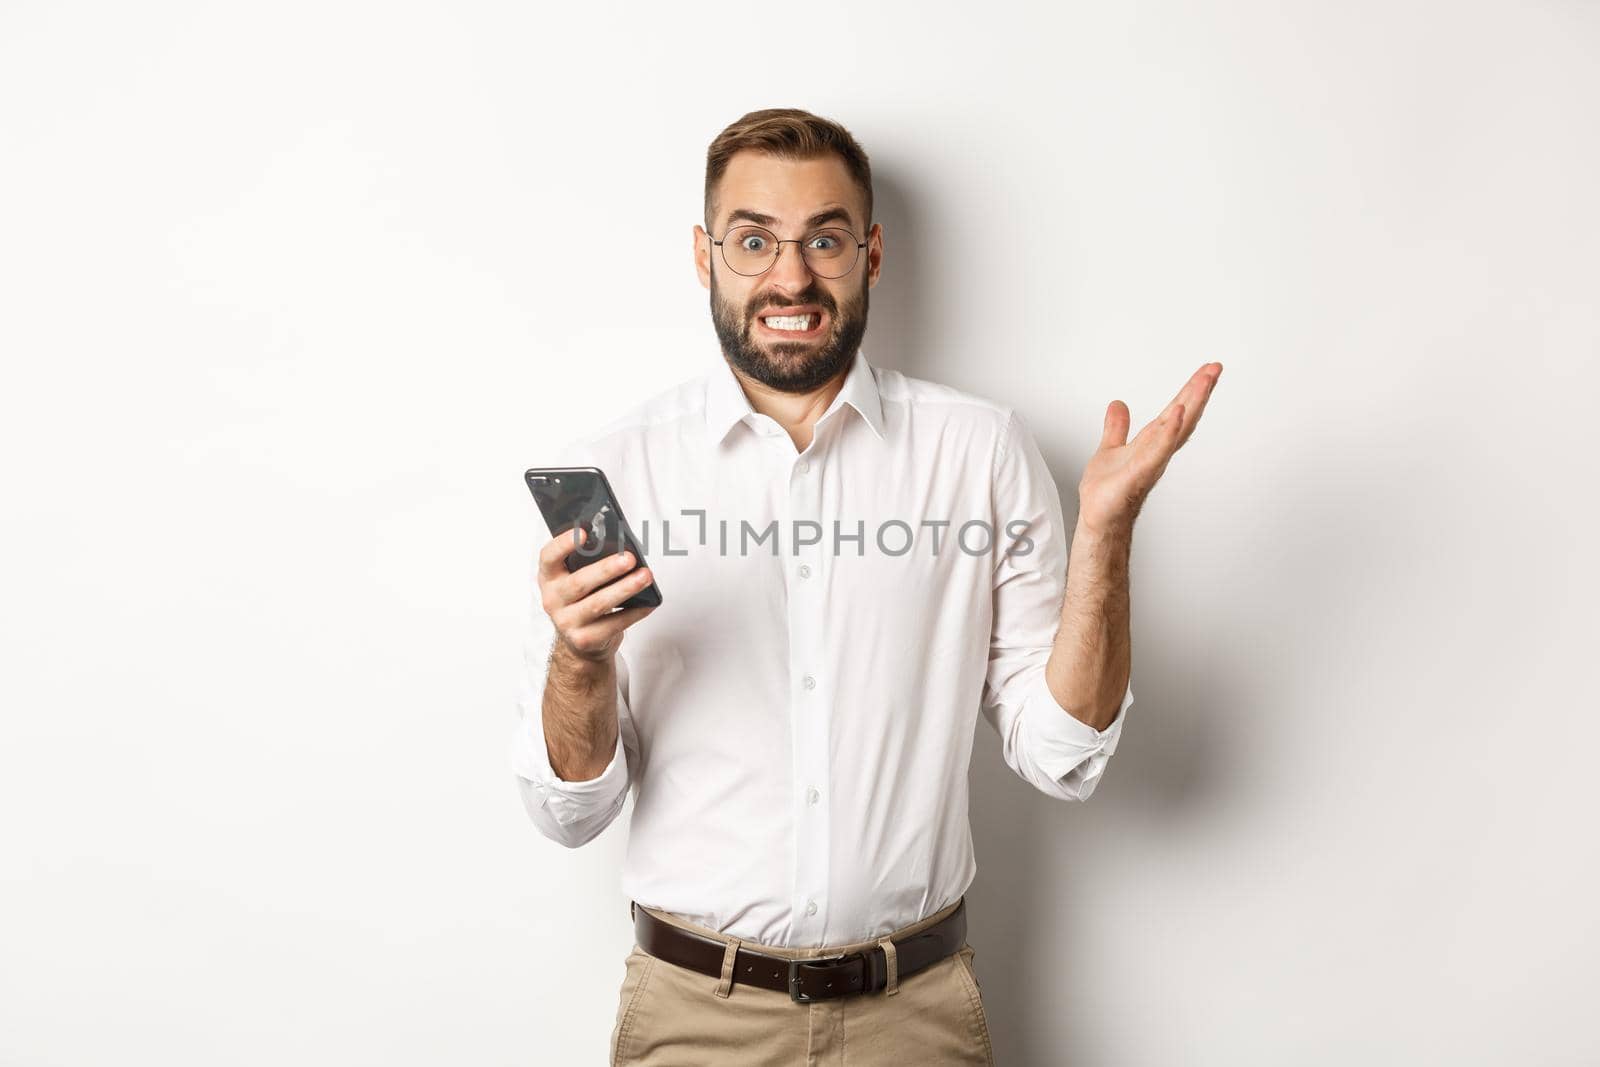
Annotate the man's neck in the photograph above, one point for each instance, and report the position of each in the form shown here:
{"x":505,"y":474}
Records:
{"x":797,"y":413}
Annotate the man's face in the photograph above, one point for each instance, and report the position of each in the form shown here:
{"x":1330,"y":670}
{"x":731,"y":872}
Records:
{"x":792,"y":199}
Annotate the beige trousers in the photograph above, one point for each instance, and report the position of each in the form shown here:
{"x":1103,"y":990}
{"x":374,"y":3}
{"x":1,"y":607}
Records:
{"x":670,"y":1016}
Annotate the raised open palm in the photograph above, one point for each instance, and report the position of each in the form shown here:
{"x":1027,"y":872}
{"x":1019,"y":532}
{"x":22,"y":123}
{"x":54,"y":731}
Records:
{"x":1121,"y":473}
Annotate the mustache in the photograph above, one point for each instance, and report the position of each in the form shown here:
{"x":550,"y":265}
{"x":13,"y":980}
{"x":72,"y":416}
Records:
{"x":810,"y":296}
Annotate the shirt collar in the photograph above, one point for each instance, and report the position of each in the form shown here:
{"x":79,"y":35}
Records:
{"x":726,"y":403}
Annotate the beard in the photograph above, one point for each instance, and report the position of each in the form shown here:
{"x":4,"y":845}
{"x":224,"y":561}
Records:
{"x":790,"y":366}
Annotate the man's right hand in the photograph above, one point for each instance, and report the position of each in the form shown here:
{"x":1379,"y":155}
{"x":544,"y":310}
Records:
{"x":580,"y":602}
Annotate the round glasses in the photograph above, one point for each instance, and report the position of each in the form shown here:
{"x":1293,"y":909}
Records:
{"x":751,"y":250}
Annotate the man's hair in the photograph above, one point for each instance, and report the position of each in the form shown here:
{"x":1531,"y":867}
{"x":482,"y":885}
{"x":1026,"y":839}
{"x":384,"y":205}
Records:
{"x":788,"y":133}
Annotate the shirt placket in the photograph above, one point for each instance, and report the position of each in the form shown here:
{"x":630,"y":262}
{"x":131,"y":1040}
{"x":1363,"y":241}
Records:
{"x":810,"y":689}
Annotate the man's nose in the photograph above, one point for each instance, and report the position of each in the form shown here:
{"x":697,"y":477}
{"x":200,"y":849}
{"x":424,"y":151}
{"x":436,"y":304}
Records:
{"x":790,"y":271}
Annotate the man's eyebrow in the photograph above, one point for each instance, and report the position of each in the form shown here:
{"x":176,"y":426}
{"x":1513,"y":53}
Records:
{"x":831,"y":214}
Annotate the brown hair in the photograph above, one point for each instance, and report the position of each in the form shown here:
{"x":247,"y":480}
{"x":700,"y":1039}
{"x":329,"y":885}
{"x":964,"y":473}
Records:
{"x":789,"y":133}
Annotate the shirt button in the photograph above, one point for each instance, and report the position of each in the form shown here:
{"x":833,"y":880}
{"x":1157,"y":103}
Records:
{"x":811,"y":907}
{"x":809,"y":682}
{"x":805,"y":570}
{"x":802,"y":466}
{"x":812,"y":796}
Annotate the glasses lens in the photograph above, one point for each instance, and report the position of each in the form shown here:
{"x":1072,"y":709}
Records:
{"x":752,"y":250}
{"x":830,"y":253}
{"x":749,"y":249}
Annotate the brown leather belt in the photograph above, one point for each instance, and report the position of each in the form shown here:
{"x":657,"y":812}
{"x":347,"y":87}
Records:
{"x":816,"y":978}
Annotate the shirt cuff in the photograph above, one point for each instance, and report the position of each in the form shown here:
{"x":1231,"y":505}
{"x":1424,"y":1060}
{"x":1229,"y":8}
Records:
{"x":1060,"y":741}
{"x":566,"y":800}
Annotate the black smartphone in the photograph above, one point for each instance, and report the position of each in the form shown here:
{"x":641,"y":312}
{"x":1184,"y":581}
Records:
{"x":573,"y":496}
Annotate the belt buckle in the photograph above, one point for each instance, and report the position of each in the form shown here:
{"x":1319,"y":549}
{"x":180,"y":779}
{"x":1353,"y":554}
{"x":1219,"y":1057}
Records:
{"x":795,"y":966}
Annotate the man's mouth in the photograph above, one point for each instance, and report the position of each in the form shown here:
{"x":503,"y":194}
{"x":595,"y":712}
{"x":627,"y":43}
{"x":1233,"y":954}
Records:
{"x":794,"y":323}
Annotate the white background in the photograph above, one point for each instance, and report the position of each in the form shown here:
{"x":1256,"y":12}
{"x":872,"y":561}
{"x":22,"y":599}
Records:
{"x":290,"y":295}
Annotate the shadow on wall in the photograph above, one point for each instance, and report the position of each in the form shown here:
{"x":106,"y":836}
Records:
{"x":1025,"y":907}
{"x":1023,"y":913}
{"x":897,"y":323}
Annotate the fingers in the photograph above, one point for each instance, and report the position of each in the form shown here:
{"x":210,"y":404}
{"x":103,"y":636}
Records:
{"x":1207,"y":381}
{"x":577,"y":599}
{"x":1197,"y":387}
{"x":1115,"y":433}
{"x":580,"y":600}
{"x":602,"y":636}
{"x":1191,"y":400}
{"x":1162,"y":442}
{"x":591,"y":576}
{"x":587,"y":621}
{"x":569,"y":586}
{"x":553,"y":553}
{"x":594,"y":605}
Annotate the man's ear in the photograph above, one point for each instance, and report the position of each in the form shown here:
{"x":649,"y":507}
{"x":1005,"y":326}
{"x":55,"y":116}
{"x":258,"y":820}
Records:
{"x":702,"y":256}
{"x":874,"y":253}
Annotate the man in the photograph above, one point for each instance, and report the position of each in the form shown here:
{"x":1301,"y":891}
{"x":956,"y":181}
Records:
{"x":852,"y":561}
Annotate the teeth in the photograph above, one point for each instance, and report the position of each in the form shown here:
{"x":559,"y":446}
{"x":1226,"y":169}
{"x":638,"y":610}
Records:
{"x":788,"y":322}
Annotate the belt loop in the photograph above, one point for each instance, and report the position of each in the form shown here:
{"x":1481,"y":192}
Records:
{"x":892,"y":986}
{"x":725,"y":983}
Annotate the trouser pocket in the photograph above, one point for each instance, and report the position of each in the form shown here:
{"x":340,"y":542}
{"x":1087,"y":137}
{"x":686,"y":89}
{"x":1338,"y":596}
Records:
{"x":636,"y":975}
{"x":980,"y":1019}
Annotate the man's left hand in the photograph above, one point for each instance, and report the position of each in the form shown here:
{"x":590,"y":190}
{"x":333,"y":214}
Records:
{"x":1121,"y":473}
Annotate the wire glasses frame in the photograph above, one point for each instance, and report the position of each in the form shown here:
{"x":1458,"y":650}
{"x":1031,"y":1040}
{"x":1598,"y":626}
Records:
{"x":777,"y":250}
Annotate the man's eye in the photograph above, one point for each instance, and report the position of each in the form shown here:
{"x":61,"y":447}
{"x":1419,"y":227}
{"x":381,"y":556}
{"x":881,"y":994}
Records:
{"x":822,"y":242}
{"x":753,"y":243}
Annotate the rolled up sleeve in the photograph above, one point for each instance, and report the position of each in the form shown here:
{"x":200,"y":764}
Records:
{"x":1068,"y":753}
{"x":1045,"y":744}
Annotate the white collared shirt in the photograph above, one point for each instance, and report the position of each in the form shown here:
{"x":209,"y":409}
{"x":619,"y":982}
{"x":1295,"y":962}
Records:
{"x":797,"y":724}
